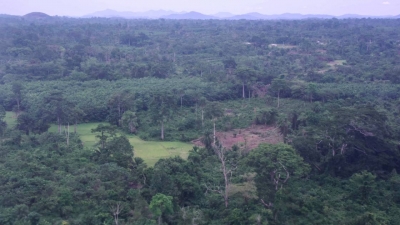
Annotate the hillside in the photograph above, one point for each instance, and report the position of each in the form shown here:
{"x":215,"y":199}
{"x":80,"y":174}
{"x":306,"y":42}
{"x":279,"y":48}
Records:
{"x":189,"y":16}
{"x":168,"y":14}
{"x":36,"y":15}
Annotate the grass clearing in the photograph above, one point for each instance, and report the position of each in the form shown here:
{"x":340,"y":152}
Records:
{"x":149,"y":151}
{"x":332,"y":65}
{"x":283,"y":46}
{"x":337,"y":63}
{"x":10,"y":119}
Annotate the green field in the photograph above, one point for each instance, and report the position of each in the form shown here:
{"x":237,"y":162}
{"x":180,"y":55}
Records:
{"x":149,"y":151}
{"x":10,"y":119}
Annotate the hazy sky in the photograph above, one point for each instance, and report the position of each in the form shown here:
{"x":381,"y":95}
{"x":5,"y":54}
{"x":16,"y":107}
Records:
{"x":82,"y":7}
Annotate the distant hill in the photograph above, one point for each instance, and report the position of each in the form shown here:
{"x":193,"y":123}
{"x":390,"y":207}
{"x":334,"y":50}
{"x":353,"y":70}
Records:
{"x":8,"y":16}
{"x":189,"y":16}
{"x":296,"y":16}
{"x":152,"y":14}
{"x":156,"y":14}
{"x":223,"y":15}
{"x":36,"y":15}
{"x":108,"y":13}
{"x":249,"y":16}
{"x":285,"y":16}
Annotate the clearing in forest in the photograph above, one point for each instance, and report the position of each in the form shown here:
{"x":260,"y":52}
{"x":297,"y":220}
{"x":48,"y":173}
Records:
{"x":332,"y":65}
{"x":282,"y":46}
{"x":248,"y":138}
{"x":10,"y":119}
{"x":149,"y":151}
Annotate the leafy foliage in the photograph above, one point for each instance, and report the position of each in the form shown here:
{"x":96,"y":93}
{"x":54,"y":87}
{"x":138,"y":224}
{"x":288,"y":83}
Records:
{"x":331,"y":87}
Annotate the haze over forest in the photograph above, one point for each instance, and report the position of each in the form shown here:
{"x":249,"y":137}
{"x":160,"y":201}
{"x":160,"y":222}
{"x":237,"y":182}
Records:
{"x":78,"y":8}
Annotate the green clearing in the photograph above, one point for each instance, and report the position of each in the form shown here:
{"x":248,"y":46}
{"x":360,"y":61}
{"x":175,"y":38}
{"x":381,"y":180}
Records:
{"x":149,"y":151}
{"x":283,"y":46}
{"x":337,"y":63}
{"x":332,"y":65}
{"x":10,"y":119}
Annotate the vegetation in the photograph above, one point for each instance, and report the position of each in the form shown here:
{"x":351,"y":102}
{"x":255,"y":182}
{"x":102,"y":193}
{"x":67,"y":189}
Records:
{"x":96,"y":117}
{"x":149,"y":151}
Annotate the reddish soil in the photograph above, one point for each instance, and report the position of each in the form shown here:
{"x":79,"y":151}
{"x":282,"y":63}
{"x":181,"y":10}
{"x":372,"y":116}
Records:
{"x":247,"y":139}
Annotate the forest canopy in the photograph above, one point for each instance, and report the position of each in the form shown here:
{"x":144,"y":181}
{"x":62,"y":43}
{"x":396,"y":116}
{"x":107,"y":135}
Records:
{"x":312,"y":109}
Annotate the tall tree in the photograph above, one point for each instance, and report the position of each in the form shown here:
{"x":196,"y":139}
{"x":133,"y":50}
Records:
{"x":246,"y":75}
{"x":213,"y":111}
{"x":228,"y":166}
{"x":118,"y":104}
{"x":129,"y":121}
{"x":275,"y":165}
{"x":277,"y":85}
{"x":3,"y":124}
{"x":162,"y":106}
{"x":57,"y":108}
{"x":17,"y":95}
{"x":103,"y":133}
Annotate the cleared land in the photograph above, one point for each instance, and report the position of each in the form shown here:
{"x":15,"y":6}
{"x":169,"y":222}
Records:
{"x":152,"y":151}
{"x":149,"y":151}
{"x":247,"y":139}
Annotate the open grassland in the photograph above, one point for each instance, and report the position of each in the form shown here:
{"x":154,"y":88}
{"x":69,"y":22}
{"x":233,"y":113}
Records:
{"x":149,"y":151}
{"x":10,"y":119}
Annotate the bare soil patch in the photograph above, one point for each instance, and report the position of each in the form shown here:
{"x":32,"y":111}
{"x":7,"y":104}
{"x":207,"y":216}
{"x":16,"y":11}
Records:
{"x":248,"y":138}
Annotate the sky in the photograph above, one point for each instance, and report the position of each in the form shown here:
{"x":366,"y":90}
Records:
{"x":82,"y":7}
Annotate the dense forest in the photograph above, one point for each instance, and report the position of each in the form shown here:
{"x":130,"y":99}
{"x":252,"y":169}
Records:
{"x":328,"y":89}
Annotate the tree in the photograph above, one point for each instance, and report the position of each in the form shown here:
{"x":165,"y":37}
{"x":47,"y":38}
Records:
{"x":57,"y":108}
{"x":277,"y":85}
{"x":227,"y":167}
{"x":17,"y":95}
{"x":311,"y":90}
{"x":28,"y":123}
{"x":213,"y":111}
{"x":230,"y":65}
{"x":118,"y":104}
{"x":104,"y":132}
{"x":113,"y":148}
{"x":3,"y":124}
{"x":120,"y":151}
{"x":202,"y":104}
{"x":76,"y":116}
{"x":162,"y":107}
{"x":275,"y":165}
{"x":129,"y":121}
{"x":362,"y":185}
{"x":161,"y":204}
{"x":266,"y":116}
{"x":246,"y":75}
{"x":116,"y":210}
